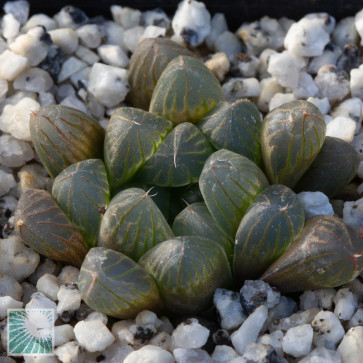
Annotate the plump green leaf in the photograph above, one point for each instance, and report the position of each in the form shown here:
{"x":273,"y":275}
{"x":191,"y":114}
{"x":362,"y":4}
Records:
{"x":147,"y":63}
{"x":63,"y":135}
{"x":327,"y":253}
{"x":185,"y":91}
{"x":291,"y":138}
{"x":196,"y":220}
{"x":235,"y":125}
{"x":187,"y":271}
{"x":82,"y":192}
{"x":333,"y":168}
{"x":132,"y":137}
{"x":43,"y":226}
{"x":133,"y":224}
{"x":229,"y":183}
{"x":178,"y":160}
{"x":270,"y":225}
{"x":112,"y":284}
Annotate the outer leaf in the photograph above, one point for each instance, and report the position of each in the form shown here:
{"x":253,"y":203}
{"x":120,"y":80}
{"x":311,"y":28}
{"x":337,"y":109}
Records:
{"x":229,"y":183}
{"x":334,"y":167}
{"x":196,"y":220}
{"x":179,"y":159}
{"x":63,"y":135}
{"x":291,"y":137}
{"x":43,"y":226}
{"x":327,"y":253}
{"x":113,"y":284}
{"x":82,"y":191}
{"x":186,"y":91}
{"x":133,"y":224}
{"x":235,"y":125}
{"x":187,"y":271}
{"x":132,"y":137}
{"x":270,"y":225}
{"x":147,"y":63}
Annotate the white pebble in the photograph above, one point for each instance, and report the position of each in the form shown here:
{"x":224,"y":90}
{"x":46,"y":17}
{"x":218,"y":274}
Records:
{"x":69,"y":274}
{"x":219,"y":65}
{"x":229,"y":308}
{"x":89,"y":35}
{"x":224,"y":353}
{"x":268,"y":88}
{"x":352,"y":108}
{"x":249,"y":330}
{"x":149,"y":354}
{"x":10,"y":287}
{"x":132,"y":37}
{"x":246,"y":65}
{"x":357,"y":318}
{"x":153,"y":31}
{"x":329,"y":56}
{"x":114,"y":34}
{"x":241,"y":88}
{"x":358,"y":22}
{"x":34,"y":80}
{"x":7,"y":302}
{"x":116,"y":352}
{"x":192,"y":21}
{"x":15,"y":119}
{"x":274,"y":339}
{"x":74,"y":102}
{"x":70,"y":352}
{"x":16,"y":259}
{"x":10,"y":26}
{"x":63,"y":334}
{"x":320,"y":298}
{"x":315,"y":203}
{"x":345,"y":32}
{"x":70,"y":66}
{"x":48,"y":284}
{"x":69,"y":299}
{"x":40,"y":301}
{"x":218,"y":26}
{"x":306,"y":86}
{"x":328,"y":331}
{"x":65,"y":38}
{"x":93,"y":335}
{"x":322,"y":355}
{"x":346,"y":303}
{"x":47,"y":266}
{"x":298,"y":340}
{"x":108,"y":84}
{"x":162,"y":340}
{"x":285,"y":68}
{"x":183,"y":355}
{"x":46,"y":99}
{"x":19,"y":8}
{"x":263,"y":63}
{"x":341,"y":127}
{"x":33,"y":176}
{"x":86,"y":55}
{"x":40,"y":20}
{"x":356,"y":82}
{"x":113,"y":55}
{"x":146,"y":317}
{"x":228,"y":43}
{"x":321,"y":103}
{"x":127,"y":17}
{"x":7,"y":182}
{"x":351,"y":347}
{"x":14,"y":152}
{"x":11,"y":65}
{"x":190,"y":334}
{"x":156,"y":17}
{"x":95,"y":315}
{"x":306,"y":38}
{"x":280,"y":98}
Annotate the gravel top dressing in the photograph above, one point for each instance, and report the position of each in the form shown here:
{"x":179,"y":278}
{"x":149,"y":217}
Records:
{"x":172,"y":190}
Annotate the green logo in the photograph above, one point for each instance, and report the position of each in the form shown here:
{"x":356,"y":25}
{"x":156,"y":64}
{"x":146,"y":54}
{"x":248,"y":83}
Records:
{"x":30,"y":332}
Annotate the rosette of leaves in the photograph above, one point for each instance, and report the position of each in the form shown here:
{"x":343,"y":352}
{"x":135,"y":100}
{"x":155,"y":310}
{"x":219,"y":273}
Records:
{"x":63,"y":135}
{"x":82,"y":192}
{"x":229,"y":183}
{"x":196,"y":220}
{"x":271,"y":223}
{"x":42,"y":225}
{"x":113,"y":284}
{"x":185,"y":91}
{"x":333,"y":168}
{"x":327,"y":253}
{"x":148,"y":61}
{"x":187,"y":270}
{"x":133,"y":224}
{"x":235,"y":125}
{"x":291,"y":138}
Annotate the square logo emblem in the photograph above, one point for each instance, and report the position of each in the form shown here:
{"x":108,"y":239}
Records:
{"x":30,"y":332}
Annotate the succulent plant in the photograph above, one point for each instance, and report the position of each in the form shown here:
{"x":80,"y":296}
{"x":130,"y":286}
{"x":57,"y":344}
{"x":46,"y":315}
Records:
{"x":113,"y":284}
{"x":327,"y":253}
{"x":185,"y":91}
{"x":43,"y":226}
{"x":82,"y":192}
{"x":187,"y":270}
{"x":133,"y":224}
{"x":291,"y":137}
{"x":333,"y":168}
{"x":63,"y":135}
{"x":235,"y":125}
{"x":271,"y":223}
{"x":229,"y":182}
{"x":148,"y":61}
